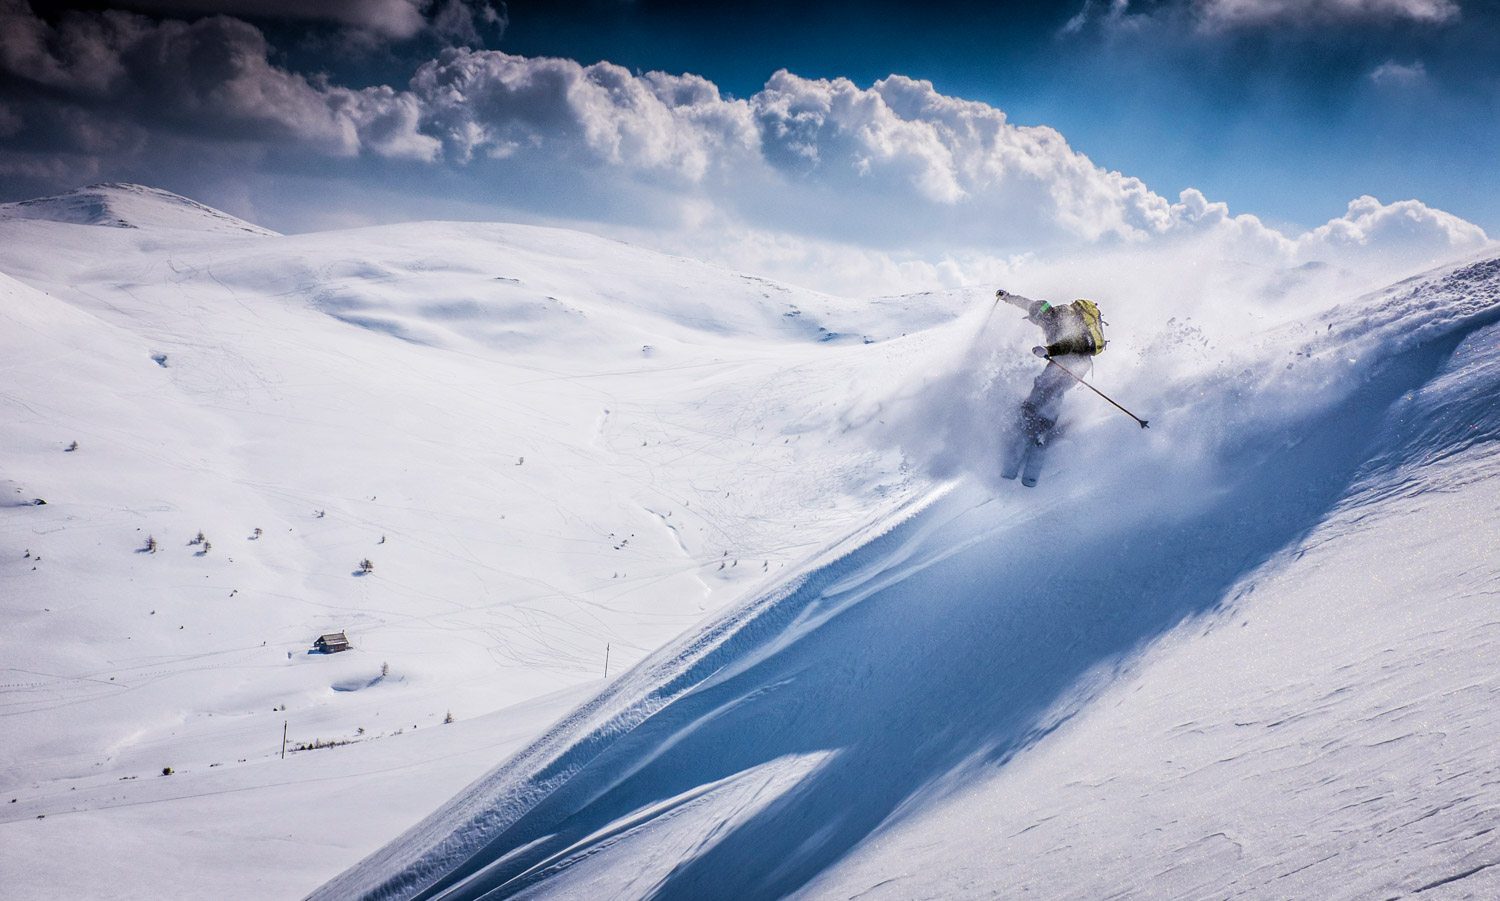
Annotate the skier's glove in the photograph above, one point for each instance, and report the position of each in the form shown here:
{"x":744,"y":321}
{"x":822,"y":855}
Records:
{"x":1041,"y":352}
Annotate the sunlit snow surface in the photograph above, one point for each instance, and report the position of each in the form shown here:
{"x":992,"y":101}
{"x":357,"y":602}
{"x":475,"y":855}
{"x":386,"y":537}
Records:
{"x":1259,"y":662}
{"x":1249,"y":651}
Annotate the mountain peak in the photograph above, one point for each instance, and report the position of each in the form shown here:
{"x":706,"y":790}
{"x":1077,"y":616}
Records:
{"x":124,"y":205}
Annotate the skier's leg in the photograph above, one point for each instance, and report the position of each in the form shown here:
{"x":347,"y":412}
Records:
{"x":1020,"y":439}
{"x":1038,"y":420}
{"x":1021,"y":436}
{"x":1031,"y":467}
{"x":1014,"y":457}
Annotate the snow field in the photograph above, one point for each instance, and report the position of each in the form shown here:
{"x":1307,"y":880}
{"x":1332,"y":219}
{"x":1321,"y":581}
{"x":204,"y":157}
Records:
{"x":844,"y":657}
{"x":533,"y":479}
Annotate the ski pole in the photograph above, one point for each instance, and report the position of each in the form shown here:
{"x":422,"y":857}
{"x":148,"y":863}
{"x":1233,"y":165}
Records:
{"x":1098,"y":392}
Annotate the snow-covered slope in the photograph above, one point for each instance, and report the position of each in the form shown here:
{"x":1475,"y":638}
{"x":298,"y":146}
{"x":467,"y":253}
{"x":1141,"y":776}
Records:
{"x":840,"y":658}
{"x":131,"y":206}
{"x":551,"y":447}
{"x":1252,"y":656}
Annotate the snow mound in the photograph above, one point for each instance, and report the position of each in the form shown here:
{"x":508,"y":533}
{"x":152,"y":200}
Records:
{"x":131,"y":206}
{"x":859,"y":727}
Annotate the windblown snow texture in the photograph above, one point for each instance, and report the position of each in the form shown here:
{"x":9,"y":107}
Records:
{"x":909,"y":668}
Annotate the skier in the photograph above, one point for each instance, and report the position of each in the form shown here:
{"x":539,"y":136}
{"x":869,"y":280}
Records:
{"x":1074,"y":334}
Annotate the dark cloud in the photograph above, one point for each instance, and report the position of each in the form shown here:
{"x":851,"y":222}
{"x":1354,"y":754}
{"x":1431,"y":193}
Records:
{"x":397,"y":19}
{"x":462,"y":22}
{"x":211,"y":77}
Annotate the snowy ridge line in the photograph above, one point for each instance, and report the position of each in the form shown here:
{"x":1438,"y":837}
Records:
{"x":1434,"y":307}
{"x":1296,"y":373}
{"x":1008,"y":648}
{"x":421,"y":863}
{"x":131,"y":206}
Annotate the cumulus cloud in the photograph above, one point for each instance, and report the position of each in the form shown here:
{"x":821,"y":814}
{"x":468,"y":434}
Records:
{"x":786,"y":150}
{"x":815,"y":175}
{"x":491,"y":104}
{"x":1408,"y":227}
{"x":1388,"y":236}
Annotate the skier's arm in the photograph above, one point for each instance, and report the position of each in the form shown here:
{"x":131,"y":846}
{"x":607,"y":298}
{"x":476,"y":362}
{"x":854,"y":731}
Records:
{"x":1032,"y":308}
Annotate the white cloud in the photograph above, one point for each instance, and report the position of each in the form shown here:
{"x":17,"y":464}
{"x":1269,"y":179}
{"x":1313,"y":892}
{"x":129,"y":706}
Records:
{"x":1388,"y":237}
{"x":895,"y":159}
{"x":1213,"y":16}
{"x":485,"y":103}
{"x":1248,"y":13}
{"x":1391,"y":72}
{"x":1406,"y":229}
{"x":1113,"y":13}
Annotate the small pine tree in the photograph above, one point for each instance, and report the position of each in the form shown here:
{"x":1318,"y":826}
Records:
{"x":257,"y":532}
{"x":198,"y":539}
{"x":207,"y":546}
{"x":366,"y":566}
{"x":385,"y":669}
{"x":150,"y":544}
{"x":448,"y":718}
{"x":73,"y":447}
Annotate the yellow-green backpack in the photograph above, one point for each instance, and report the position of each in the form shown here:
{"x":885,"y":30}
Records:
{"x":1093,"y":323}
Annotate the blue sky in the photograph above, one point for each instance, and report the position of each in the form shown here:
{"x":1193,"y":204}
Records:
{"x":313,"y":115}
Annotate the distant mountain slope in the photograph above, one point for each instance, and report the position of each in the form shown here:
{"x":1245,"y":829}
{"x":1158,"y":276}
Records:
{"x":131,"y":206}
{"x":1291,"y":587}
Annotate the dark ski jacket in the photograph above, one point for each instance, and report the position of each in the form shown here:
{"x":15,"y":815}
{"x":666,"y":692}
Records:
{"x":1063,"y":328}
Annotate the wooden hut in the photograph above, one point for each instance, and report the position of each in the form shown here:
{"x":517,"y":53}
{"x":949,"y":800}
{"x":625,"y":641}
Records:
{"x":332,"y":643}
